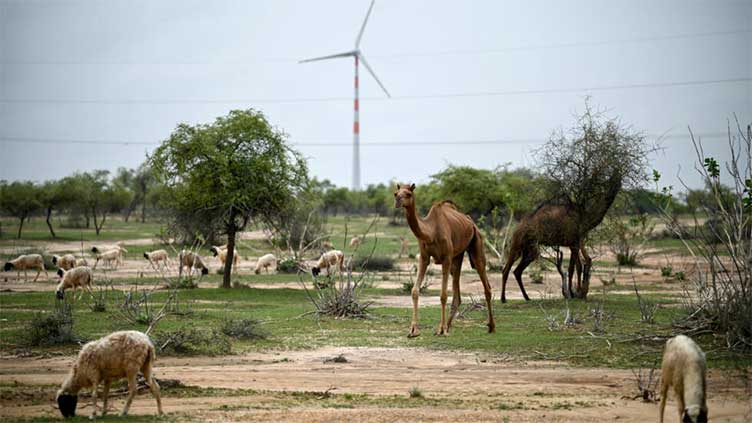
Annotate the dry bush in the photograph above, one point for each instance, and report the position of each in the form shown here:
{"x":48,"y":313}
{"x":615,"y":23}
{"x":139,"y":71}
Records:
{"x":719,"y":296}
{"x":54,"y":328}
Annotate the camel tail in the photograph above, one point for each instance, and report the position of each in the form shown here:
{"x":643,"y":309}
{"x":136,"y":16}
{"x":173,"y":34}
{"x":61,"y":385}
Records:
{"x":475,"y":248}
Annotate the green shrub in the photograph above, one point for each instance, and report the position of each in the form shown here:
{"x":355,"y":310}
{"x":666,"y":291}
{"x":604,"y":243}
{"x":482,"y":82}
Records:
{"x":377,"y":263}
{"x":626,"y":259}
{"x":192,"y":341}
{"x":242,"y":328}
{"x":54,"y":328}
{"x":667,"y":271}
{"x":183,"y":283}
{"x":288,"y":265}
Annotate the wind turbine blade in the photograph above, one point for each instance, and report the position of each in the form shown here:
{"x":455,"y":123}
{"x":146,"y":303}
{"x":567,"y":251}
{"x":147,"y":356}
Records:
{"x":368,"y":67}
{"x":331,"y":56}
{"x":365,"y":21}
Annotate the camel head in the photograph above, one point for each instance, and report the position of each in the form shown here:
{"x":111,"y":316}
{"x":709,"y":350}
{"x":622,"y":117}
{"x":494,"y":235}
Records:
{"x":404,"y":196}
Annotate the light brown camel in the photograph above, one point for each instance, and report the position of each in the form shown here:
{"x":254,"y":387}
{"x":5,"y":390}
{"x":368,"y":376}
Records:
{"x":445,"y":234}
{"x":557,"y":225}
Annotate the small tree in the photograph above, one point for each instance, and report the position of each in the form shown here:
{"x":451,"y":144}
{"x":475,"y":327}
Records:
{"x":20,"y":200}
{"x":228,"y":173}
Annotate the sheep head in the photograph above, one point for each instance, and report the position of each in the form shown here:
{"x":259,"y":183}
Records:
{"x":8,"y":266}
{"x":67,"y":404}
{"x":694,"y":414}
{"x":315,"y":271}
{"x":60,"y":272}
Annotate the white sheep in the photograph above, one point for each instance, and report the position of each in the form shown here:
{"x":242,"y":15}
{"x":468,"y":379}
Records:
{"x":264,"y":262}
{"x":110,"y":256}
{"x":118,"y":355}
{"x":192,"y":261}
{"x":221,"y":253}
{"x":77,"y":277}
{"x":158,"y":256}
{"x":328,"y":259}
{"x":65,"y":262}
{"x":355,"y":241}
{"x":27,"y":262}
{"x":105,"y":248}
{"x":684,"y":368}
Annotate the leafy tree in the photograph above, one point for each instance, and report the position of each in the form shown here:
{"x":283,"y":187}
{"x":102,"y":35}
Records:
{"x":53,"y":196}
{"x":20,"y":200}
{"x":228,"y":173}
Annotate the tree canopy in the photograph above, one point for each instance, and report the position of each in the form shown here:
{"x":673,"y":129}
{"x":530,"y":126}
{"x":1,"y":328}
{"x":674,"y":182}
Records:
{"x":228,"y":173}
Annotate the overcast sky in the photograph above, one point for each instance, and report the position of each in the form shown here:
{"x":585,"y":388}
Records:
{"x":464,"y":72}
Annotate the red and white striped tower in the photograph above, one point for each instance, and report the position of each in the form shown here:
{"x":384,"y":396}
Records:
{"x":356,"y":135}
{"x":357,"y":54}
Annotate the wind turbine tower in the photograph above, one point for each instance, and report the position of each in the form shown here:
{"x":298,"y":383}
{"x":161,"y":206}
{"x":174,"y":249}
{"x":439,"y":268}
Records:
{"x":357,"y":55}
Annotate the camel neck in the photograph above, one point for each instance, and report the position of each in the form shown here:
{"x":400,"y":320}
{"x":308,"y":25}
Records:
{"x":416,"y":224}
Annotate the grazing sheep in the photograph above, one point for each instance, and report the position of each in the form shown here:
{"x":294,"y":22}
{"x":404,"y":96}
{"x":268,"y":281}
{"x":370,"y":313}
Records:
{"x":328,"y":259}
{"x":66,"y":262}
{"x":158,"y":256}
{"x":355,"y":242}
{"x":26,"y":262}
{"x":105,"y":248}
{"x":77,"y":277}
{"x":684,"y":368}
{"x":110,"y":256}
{"x":118,"y":355}
{"x":192,"y":261}
{"x":221,"y":253}
{"x":264,"y":262}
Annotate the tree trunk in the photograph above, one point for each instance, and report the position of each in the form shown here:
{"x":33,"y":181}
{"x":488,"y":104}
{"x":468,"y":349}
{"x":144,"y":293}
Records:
{"x":49,"y":224}
{"x":143,"y":211}
{"x":227,"y":275}
{"x":98,"y":225}
{"x":20,"y":227}
{"x":88,"y":223}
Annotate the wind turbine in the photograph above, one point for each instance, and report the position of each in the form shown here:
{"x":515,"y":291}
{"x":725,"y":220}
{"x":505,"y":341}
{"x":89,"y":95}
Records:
{"x":357,"y":54}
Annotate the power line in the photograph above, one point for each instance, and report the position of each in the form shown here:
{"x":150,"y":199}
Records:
{"x":437,"y":53}
{"x":395,"y":98}
{"x":390,"y":143}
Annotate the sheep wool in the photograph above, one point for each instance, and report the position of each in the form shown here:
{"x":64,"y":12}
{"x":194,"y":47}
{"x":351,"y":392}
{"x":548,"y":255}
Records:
{"x":265,"y":262}
{"x":684,"y":368}
{"x":116,"y":356}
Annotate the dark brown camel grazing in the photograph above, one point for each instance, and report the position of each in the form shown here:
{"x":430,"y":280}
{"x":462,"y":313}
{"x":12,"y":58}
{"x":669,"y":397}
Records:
{"x":557,"y":225}
{"x":444,"y":234}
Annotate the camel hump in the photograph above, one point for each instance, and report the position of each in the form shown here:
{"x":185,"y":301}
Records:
{"x":449,"y":203}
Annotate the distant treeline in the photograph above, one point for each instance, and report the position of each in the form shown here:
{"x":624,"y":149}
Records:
{"x":88,"y":198}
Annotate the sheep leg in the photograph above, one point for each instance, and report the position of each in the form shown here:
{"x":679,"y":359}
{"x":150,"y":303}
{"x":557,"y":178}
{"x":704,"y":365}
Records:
{"x":105,"y":394}
{"x":37,"y":276}
{"x":131,"y":392}
{"x":95,"y":386}
{"x":153,"y":386}
{"x":664,"y":393}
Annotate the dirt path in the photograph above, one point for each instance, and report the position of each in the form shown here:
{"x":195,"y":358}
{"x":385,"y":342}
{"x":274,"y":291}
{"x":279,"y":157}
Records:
{"x":491,"y":387}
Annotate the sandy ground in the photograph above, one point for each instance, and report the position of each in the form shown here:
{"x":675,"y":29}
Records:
{"x":536,"y":391}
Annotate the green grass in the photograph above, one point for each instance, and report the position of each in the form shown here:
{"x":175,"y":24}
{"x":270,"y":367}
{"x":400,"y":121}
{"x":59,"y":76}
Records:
{"x":115,"y":229}
{"x":521,"y":328}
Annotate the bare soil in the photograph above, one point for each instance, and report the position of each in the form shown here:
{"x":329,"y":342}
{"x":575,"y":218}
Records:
{"x":490,"y":388}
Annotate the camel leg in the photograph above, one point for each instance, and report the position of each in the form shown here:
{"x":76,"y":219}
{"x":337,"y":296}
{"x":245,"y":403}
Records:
{"x":479,"y":261}
{"x":528,"y":256}
{"x":574,"y":263}
{"x":456,"y":296}
{"x":445,"y":266}
{"x":505,"y":274}
{"x":422,"y":266}
{"x":105,"y":394}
